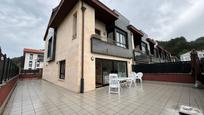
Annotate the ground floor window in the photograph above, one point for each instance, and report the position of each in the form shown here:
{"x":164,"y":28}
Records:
{"x":62,"y":69}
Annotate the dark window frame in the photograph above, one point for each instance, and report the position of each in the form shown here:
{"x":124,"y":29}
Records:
{"x":146,"y":47}
{"x":49,"y":50}
{"x":30,"y":65}
{"x":98,"y":32}
{"x":31,"y":57}
{"x":62,"y":69}
{"x":125,"y":34}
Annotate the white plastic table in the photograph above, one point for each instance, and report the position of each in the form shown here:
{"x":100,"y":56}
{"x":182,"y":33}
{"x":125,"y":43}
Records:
{"x":124,"y":78}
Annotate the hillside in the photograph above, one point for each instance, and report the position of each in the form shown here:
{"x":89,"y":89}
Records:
{"x":180,"y":45}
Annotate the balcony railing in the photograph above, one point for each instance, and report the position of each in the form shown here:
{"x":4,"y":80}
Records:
{"x":141,"y":57}
{"x":106,"y":46}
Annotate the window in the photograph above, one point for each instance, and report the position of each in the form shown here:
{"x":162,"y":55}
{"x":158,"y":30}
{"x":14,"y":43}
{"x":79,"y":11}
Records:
{"x":49,"y":52}
{"x":75,"y":25}
{"x":51,"y":44}
{"x":62,"y":70}
{"x":144,"y":47}
{"x":38,"y":64}
{"x":97,"y":32}
{"x":40,"y":57}
{"x":31,"y":56}
{"x":30,"y":64}
{"x":121,"y":39}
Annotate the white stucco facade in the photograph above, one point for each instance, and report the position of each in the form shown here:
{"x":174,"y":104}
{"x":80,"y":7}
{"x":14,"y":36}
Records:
{"x":187,"y":56}
{"x":31,"y":61}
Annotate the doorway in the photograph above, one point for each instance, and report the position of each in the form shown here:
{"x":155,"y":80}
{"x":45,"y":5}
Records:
{"x":105,"y":67}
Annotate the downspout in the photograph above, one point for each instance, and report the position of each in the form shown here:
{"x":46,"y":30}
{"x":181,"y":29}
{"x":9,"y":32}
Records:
{"x":82,"y":56}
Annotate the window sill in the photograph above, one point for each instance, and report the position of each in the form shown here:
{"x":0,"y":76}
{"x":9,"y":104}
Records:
{"x":62,"y":80}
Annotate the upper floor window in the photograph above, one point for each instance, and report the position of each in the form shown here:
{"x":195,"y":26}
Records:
{"x":31,"y":56}
{"x":51,"y":44}
{"x":40,"y":57}
{"x":144,"y":47}
{"x":121,"y":39}
{"x":49,"y":50}
{"x":62,"y":69}
{"x":75,"y":25}
{"x":30,"y":64}
{"x":97,"y":32}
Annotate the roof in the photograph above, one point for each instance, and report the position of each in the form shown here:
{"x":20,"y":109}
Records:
{"x":135,"y":30}
{"x":65,"y":6}
{"x":163,"y":49}
{"x":28,"y":50}
{"x":151,"y":40}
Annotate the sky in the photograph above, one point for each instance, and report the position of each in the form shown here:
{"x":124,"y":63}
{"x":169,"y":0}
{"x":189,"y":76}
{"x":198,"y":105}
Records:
{"x":23,"y":22}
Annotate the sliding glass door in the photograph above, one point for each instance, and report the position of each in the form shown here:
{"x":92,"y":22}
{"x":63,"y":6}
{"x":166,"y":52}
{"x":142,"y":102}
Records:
{"x":105,"y":67}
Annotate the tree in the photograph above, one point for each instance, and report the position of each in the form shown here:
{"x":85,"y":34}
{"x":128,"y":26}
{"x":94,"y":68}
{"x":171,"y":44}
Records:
{"x":180,"y":45}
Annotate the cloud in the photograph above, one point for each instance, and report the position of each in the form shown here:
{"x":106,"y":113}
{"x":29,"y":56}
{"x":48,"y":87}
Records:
{"x":164,"y":19}
{"x":23,"y":24}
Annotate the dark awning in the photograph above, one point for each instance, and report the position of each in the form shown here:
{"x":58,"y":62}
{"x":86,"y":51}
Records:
{"x":134,"y":30}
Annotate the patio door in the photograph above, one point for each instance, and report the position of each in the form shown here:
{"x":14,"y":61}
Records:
{"x":105,"y":67}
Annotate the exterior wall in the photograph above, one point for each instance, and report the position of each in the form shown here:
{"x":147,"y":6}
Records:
{"x":173,"y":77}
{"x":201,"y":54}
{"x":89,"y":70}
{"x":187,"y":56}
{"x":68,"y":49}
{"x":34,"y":61}
{"x":102,"y":27}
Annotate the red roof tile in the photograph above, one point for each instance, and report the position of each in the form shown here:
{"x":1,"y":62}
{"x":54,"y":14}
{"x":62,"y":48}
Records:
{"x":28,"y":50}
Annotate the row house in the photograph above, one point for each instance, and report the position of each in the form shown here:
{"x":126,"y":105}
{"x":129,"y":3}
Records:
{"x":147,"y":51}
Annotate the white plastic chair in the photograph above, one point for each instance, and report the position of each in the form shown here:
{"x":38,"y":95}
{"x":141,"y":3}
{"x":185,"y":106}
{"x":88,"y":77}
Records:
{"x":114,"y":84}
{"x":133,"y":77}
{"x":139,"y":76}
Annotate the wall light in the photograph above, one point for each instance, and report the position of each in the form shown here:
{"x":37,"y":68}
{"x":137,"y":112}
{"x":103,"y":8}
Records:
{"x":92,"y":58}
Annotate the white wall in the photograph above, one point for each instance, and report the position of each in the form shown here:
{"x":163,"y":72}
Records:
{"x":187,"y":56}
{"x":34,"y":61}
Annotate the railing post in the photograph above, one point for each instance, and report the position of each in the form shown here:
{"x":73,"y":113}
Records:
{"x":7,"y":70}
{"x":2,"y":66}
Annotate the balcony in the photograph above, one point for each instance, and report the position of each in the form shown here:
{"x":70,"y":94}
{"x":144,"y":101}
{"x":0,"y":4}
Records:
{"x":108,"y":47}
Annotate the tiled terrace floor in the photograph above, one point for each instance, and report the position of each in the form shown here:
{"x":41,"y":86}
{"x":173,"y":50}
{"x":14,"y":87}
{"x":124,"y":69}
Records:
{"x":152,"y":98}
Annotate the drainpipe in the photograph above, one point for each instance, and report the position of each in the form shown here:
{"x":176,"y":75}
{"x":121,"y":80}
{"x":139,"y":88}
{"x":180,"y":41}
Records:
{"x":82,"y":56}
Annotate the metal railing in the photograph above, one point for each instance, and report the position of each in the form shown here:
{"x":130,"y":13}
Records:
{"x":110,"y":41}
{"x":171,"y":67}
{"x":143,"y":57}
{"x":8,"y":69}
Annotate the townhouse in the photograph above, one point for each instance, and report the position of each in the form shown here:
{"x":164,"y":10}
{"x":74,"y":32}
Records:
{"x":85,"y":41}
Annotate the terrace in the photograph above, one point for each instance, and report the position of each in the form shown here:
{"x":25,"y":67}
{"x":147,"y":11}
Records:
{"x":39,"y":97}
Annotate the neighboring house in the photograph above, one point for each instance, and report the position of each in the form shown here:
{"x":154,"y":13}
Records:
{"x":147,"y":51}
{"x":187,"y":56}
{"x":84,"y":42}
{"x":33,"y":59}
